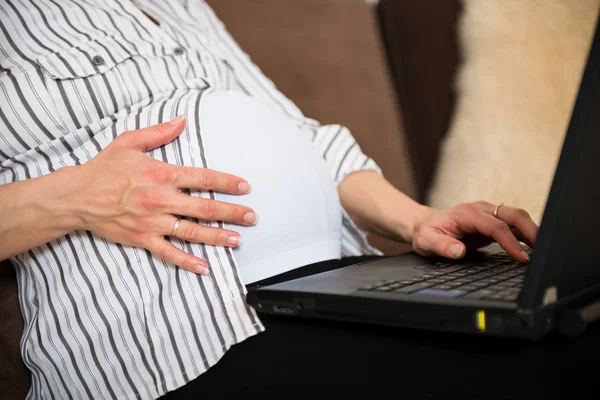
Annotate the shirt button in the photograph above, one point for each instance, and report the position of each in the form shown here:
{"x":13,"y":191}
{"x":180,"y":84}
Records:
{"x":97,"y":60}
{"x":178,"y":51}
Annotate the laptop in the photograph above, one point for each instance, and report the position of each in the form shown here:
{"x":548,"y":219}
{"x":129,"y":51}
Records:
{"x":486,"y":292}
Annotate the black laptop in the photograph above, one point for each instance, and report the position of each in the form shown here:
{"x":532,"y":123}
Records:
{"x":487,"y":292}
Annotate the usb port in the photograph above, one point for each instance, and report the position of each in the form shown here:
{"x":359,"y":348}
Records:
{"x":284,"y":310}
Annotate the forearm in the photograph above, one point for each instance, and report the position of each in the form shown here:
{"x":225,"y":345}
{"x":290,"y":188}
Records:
{"x":36,"y":211}
{"x":378,"y":207}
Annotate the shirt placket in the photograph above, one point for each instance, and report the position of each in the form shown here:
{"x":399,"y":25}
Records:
{"x":167,"y":35}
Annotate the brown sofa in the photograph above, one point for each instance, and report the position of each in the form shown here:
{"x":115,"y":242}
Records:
{"x":384,"y":69}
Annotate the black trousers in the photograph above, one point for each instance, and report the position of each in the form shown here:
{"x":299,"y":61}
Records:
{"x":324,"y":358}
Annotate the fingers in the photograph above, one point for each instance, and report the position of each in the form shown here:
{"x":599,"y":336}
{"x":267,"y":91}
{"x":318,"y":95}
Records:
{"x":210,"y":210}
{"x":501,"y":233}
{"x":154,"y":136}
{"x":434,"y":242}
{"x":193,"y":232}
{"x":520,"y":219}
{"x":208,"y":179}
{"x":173,"y":255}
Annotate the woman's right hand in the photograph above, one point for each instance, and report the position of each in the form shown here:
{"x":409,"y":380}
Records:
{"x":133,"y":199}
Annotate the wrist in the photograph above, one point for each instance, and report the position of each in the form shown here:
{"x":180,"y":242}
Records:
{"x":61,"y":193}
{"x":406,"y":223}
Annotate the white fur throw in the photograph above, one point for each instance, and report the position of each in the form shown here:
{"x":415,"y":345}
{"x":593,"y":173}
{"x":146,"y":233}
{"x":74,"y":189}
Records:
{"x":522,"y":64}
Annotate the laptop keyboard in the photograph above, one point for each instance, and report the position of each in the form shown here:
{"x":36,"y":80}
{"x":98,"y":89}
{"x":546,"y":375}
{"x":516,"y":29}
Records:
{"x":497,"y":277}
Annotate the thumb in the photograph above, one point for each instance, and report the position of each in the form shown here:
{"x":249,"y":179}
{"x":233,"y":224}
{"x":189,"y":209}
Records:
{"x":442,"y":245}
{"x":151,"y":137}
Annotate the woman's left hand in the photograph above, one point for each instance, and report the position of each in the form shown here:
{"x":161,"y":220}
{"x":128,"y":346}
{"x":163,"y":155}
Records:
{"x":447,"y":232}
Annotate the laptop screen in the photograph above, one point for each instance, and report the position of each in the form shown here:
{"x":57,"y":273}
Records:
{"x":566,"y":258}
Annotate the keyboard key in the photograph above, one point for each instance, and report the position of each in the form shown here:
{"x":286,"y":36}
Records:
{"x":444,"y":286}
{"x":406,"y":282}
{"x":463,"y":280}
{"x":455,"y":267}
{"x":501,"y":286}
{"x":496,"y":296}
{"x":413,"y":288}
{"x":440,"y":293}
{"x":443,"y":264}
{"x":383,"y":289}
{"x":480,"y":294}
{"x":478,"y":284}
{"x":511,"y":296}
{"x":493,"y":264}
{"x":513,"y":290}
{"x":417,"y":280}
{"x":501,"y":270}
{"x":468,"y":288}
{"x":368,"y":287}
{"x":437,"y":280}
{"x":452,"y":284}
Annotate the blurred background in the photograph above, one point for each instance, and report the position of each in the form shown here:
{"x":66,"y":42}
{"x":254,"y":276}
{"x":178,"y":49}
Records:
{"x":456,"y":100}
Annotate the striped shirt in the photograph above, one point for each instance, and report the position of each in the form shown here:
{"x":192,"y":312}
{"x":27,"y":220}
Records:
{"x":103,"y":320}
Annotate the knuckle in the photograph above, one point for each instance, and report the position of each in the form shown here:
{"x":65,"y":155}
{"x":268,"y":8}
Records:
{"x":219,"y":237}
{"x":207,"y":178}
{"x":207,"y":209}
{"x":482,"y":204}
{"x":140,"y":239}
{"x":237,"y":214}
{"x":161,"y":175}
{"x":501,"y":226}
{"x":151,"y":200}
{"x":468,"y":207}
{"x":169,"y":256}
{"x":159,"y":130}
{"x":191,"y":232}
{"x":522,"y":214}
{"x":186,"y":263}
{"x":232,"y":185}
{"x":440,"y":247}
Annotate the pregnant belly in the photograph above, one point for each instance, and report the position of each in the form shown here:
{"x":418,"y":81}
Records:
{"x":292,"y":190}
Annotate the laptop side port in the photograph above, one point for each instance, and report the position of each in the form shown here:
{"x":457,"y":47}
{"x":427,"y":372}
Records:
{"x":282,"y":309}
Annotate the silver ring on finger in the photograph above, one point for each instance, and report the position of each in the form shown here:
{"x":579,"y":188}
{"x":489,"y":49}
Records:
{"x":496,"y":210}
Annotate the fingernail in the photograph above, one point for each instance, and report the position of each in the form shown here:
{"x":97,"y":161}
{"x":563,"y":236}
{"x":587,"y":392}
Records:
{"x":251,"y":218}
{"x":456,"y":250}
{"x":235,"y":240}
{"x":526,"y":255}
{"x":201,"y":269}
{"x":244,"y":187}
{"x":177,"y":120}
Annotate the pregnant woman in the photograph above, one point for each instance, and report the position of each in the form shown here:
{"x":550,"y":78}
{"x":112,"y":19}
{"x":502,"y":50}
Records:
{"x":137,"y":156}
